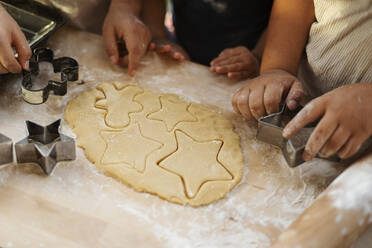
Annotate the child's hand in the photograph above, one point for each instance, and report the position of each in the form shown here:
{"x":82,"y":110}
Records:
{"x":262,"y":95}
{"x":346,"y":121}
{"x":237,"y":63}
{"x":120,"y":24}
{"x":12,"y":36}
{"x":171,"y":49}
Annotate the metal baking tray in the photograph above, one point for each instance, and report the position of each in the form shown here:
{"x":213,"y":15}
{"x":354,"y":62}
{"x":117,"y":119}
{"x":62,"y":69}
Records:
{"x":37,"y":21}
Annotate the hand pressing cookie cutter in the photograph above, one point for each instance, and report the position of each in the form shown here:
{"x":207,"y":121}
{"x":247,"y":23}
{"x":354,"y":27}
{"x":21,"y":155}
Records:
{"x":270,"y":130}
{"x":45,"y":146}
{"x":6,"y":150}
{"x":68,"y":67}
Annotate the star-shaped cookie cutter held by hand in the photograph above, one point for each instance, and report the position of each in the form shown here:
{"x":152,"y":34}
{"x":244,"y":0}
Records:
{"x":45,"y":146}
{"x":270,"y":130}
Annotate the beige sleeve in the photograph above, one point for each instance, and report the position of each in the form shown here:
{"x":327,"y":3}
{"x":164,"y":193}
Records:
{"x":339,"y":50}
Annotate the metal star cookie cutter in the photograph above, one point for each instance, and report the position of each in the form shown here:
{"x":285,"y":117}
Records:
{"x":68,"y":67}
{"x":6,"y":150}
{"x":45,"y":146}
{"x":270,"y":130}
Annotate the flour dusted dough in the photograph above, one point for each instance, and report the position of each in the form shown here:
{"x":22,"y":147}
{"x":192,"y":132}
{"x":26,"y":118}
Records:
{"x":182,"y":152}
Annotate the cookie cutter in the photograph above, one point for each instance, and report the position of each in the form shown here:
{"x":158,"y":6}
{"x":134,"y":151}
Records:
{"x":68,"y":67}
{"x":45,"y":146}
{"x":270,"y":130}
{"x":6,"y":150}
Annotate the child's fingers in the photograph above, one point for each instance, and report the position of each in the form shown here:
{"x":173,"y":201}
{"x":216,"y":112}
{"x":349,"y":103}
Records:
{"x":134,"y":58}
{"x":111,"y":47}
{"x":7,"y":58}
{"x":272,"y":97}
{"x":243,"y":103}
{"x":172,"y":50}
{"x":320,"y":136}
{"x":240,"y":75}
{"x":308,"y":114}
{"x":295,"y":95}
{"x":235,"y":101}
{"x":124,"y":61}
{"x":223,"y":69}
{"x":22,"y":48}
{"x":225,"y":60}
{"x":215,"y":61}
{"x":228,"y":52}
{"x":152,"y":46}
{"x":237,"y":67}
{"x":256,"y":102}
{"x":182,"y":54}
{"x":163,"y":48}
{"x":334,"y":144}
{"x":235,"y":75}
{"x":137,"y":48}
{"x":352,"y":146}
{"x":231,"y":60}
{"x":178,"y":56}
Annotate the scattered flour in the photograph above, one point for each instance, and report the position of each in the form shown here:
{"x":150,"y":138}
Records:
{"x":241,"y":219}
{"x":353,"y":189}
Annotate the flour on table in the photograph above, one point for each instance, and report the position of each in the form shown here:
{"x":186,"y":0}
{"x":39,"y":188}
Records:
{"x":182,"y":152}
{"x":352,"y":189}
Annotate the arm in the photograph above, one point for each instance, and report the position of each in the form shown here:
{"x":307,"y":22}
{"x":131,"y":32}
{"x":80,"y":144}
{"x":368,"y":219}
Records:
{"x":258,"y":50}
{"x":287,"y":34}
{"x":130,"y":7}
{"x":153,"y":16}
{"x":340,"y":131}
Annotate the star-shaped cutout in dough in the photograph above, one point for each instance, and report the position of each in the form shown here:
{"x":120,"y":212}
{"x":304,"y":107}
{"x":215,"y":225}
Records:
{"x":172,"y":113}
{"x":128,"y":147}
{"x":195,"y":162}
{"x":119,"y":104}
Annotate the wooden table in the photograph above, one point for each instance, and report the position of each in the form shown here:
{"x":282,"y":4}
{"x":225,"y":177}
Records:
{"x":78,"y":207}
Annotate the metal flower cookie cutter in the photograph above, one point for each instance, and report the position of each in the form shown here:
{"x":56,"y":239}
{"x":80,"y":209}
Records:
{"x":68,"y":67}
{"x":270,"y":130}
{"x":45,"y":146}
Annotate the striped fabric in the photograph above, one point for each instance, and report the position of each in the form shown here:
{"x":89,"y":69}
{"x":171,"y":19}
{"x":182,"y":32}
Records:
{"x":339,"y":50}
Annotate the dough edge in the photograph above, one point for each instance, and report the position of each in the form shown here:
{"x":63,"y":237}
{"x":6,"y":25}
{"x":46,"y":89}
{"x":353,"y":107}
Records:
{"x":208,"y":193}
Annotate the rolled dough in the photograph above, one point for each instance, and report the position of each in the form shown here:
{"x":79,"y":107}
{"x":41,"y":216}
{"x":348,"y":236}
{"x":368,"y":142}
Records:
{"x":180,"y":151}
